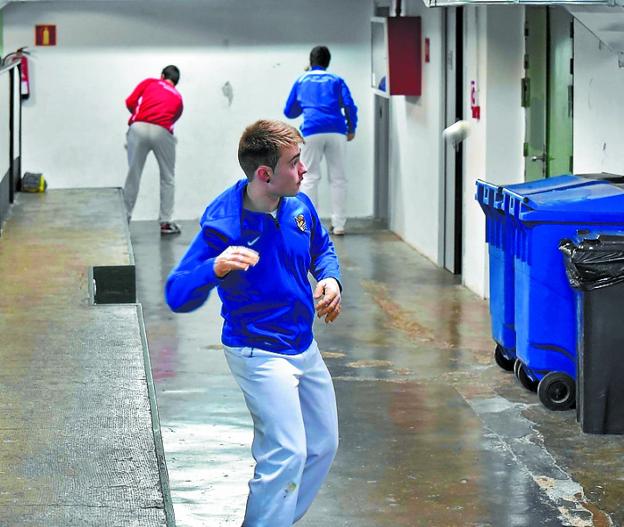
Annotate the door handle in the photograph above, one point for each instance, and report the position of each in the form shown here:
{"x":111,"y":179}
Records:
{"x":539,"y":158}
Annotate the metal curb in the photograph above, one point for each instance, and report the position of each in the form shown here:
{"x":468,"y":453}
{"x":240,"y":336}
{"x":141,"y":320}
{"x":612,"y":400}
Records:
{"x":158,"y":444}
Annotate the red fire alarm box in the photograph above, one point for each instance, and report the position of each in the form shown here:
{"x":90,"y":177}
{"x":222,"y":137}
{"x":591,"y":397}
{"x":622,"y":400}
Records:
{"x":396,"y":55}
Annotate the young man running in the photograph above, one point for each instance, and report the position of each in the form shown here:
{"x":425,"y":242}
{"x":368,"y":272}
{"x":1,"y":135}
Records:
{"x":258,"y":242}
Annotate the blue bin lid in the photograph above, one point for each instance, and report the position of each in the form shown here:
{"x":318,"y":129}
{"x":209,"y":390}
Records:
{"x":520,"y":191}
{"x":490,"y":194}
{"x":564,"y":181}
{"x":545,"y":185}
{"x":594,"y":202}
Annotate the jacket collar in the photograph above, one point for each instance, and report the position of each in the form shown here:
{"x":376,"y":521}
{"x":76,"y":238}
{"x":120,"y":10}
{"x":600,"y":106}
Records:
{"x":220,"y":213}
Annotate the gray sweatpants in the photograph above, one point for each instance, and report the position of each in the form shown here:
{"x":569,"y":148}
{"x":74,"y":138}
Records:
{"x":143,"y":138}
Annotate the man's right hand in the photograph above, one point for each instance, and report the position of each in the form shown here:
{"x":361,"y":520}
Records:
{"x":351,"y":136}
{"x":235,"y":259}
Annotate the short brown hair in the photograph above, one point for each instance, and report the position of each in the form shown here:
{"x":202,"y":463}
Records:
{"x":262,"y":143}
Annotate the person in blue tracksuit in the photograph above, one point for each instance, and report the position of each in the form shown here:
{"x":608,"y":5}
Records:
{"x":329,"y":120}
{"x":257,"y":243}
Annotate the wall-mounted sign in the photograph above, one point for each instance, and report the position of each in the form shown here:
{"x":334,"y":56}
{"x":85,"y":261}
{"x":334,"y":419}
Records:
{"x":45,"y":35}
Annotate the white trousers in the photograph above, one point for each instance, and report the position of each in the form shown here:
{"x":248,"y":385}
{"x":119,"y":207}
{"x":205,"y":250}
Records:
{"x":332,"y":146}
{"x":144,"y":138}
{"x":293,"y":406}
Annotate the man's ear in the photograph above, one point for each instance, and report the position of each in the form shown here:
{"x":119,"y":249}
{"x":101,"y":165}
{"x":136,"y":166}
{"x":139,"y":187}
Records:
{"x":264,"y":173}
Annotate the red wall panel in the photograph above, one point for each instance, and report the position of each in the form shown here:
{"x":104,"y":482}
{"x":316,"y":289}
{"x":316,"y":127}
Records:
{"x":405,"y":55}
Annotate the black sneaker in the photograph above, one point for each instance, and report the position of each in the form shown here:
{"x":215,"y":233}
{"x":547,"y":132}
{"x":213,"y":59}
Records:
{"x":169,"y":227}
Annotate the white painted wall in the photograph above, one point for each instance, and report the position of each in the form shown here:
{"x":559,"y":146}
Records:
{"x":494,"y":49}
{"x":474,"y":260}
{"x":75,"y":120}
{"x":598,"y":108}
{"x":415,"y":164}
{"x":505,"y":69}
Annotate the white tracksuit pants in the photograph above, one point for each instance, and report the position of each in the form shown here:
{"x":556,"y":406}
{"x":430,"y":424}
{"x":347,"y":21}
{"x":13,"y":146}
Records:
{"x":293,"y":406}
{"x":332,"y":146}
{"x":144,"y":138}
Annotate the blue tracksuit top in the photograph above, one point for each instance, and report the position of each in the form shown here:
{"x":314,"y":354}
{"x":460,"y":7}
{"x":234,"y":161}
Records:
{"x":322,"y":97}
{"x":270,"y":306}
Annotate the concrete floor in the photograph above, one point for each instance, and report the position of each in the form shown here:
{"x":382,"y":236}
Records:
{"x":77,"y":442}
{"x":432,"y":432}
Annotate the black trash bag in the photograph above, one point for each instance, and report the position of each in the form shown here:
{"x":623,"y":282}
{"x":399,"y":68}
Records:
{"x":594,"y":263}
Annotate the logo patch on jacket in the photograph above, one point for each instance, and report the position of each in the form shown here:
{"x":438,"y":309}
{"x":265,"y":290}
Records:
{"x":301,"y":222}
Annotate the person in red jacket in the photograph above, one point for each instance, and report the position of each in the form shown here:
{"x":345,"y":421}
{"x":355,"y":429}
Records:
{"x":155,"y":105}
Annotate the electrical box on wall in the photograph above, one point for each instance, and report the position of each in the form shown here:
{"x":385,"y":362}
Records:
{"x":396,"y":55}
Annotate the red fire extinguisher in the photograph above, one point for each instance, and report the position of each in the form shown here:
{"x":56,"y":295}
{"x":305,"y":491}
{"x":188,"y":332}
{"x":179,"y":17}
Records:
{"x":25,"y":82}
{"x":20,"y":55}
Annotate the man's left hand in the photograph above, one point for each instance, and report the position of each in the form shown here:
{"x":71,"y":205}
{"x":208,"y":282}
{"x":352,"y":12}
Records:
{"x":327,"y":293}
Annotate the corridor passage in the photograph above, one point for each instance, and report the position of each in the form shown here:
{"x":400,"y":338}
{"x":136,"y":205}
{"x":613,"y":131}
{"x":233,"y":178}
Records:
{"x":432,"y":432}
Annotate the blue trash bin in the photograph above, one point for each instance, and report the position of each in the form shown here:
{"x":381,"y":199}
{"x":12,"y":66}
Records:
{"x":544,"y":306}
{"x":490,"y":198}
{"x":499,"y":235}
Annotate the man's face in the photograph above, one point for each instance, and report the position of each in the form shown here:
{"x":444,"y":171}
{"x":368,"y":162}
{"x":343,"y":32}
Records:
{"x":288,"y":173}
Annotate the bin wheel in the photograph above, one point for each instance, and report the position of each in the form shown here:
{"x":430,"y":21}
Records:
{"x":525,"y":380}
{"x":505,"y":363}
{"x":557,"y":391}
{"x":516,"y":366}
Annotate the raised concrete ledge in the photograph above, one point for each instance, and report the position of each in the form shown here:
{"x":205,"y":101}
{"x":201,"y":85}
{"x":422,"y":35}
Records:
{"x":78,"y":422}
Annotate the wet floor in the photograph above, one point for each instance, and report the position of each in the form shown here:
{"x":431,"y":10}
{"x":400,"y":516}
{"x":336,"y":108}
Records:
{"x":432,"y":432}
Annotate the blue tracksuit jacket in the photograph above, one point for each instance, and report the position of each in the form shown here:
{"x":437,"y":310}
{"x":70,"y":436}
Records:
{"x":322,"y":97}
{"x":270,"y":306}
